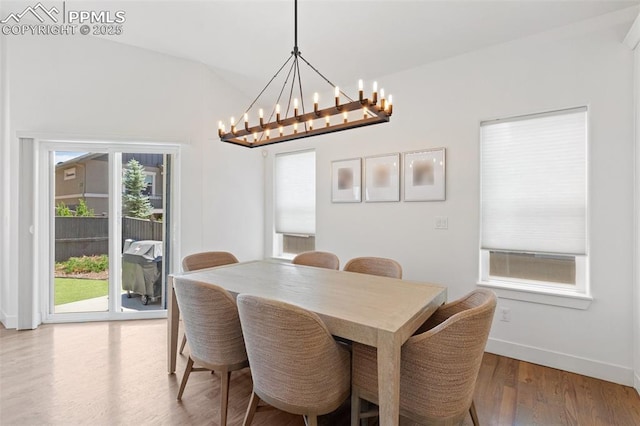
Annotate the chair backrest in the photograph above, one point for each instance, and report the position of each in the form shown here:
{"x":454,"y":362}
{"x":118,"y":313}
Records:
{"x":207,"y":259}
{"x":375,"y":266}
{"x":211,"y":324}
{"x":296,"y":364}
{"x":320,"y":259}
{"x":440,"y":365}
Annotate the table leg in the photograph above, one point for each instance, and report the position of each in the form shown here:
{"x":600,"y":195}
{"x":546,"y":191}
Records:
{"x":173,"y":316}
{"x":389,"y":348}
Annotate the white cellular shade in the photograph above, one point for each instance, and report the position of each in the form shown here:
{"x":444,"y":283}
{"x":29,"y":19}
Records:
{"x":533,"y":183}
{"x":295,"y":175}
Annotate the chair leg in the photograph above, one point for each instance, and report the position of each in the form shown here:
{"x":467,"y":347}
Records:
{"x":225,"y":377}
{"x":184,"y":342}
{"x":474,"y":415}
{"x":355,"y":407}
{"x":185,"y":377}
{"x":311,"y":420}
{"x":251,"y":409}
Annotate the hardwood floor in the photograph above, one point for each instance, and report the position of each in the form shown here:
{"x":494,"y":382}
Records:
{"x":115,"y":374}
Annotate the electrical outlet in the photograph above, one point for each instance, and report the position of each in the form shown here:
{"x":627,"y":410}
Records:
{"x":505,"y":314}
{"x":442,"y":222}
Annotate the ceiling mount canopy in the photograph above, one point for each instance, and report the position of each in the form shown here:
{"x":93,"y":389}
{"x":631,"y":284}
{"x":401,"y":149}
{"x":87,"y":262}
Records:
{"x":300,"y":123}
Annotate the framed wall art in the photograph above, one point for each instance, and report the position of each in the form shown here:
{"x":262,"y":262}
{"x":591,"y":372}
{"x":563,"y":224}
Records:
{"x":382,"y":178}
{"x":424,"y":175}
{"x":346,"y":181}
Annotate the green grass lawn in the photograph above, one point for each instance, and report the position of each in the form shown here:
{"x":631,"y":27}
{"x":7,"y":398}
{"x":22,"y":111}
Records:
{"x":69,"y":290}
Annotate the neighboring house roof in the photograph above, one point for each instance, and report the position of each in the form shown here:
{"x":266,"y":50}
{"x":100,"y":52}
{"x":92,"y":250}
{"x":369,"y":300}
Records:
{"x":149,"y":160}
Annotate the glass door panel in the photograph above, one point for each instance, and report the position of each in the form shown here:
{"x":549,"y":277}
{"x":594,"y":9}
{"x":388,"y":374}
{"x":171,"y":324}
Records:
{"x":81,"y":230}
{"x":143,"y":225}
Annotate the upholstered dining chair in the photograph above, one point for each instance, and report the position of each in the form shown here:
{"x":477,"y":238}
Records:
{"x":439,"y":364}
{"x":320,"y":259}
{"x":375,"y":266}
{"x":212,"y":325}
{"x":296,"y":365}
{"x":202,"y":260}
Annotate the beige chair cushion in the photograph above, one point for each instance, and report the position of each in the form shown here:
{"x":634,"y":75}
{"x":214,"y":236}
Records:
{"x":375,"y":266}
{"x":319,"y":259}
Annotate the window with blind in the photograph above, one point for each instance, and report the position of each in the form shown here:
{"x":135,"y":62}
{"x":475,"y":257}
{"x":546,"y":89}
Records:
{"x":534,"y":200}
{"x":295,"y":203}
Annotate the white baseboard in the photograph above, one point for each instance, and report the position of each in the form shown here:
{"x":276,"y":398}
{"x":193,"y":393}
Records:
{"x":636,"y":380}
{"x":587,"y":367}
{"x":9,"y":322}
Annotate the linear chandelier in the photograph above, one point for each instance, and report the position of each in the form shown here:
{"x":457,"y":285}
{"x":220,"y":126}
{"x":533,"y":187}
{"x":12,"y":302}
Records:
{"x":302,"y":124}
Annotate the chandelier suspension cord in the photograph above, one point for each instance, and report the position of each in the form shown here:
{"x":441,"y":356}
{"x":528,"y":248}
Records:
{"x":273,"y":110}
{"x":270,"y":81}
{"x":295,"y":27}
{"x":284,"y":85}
{"x":297,"y":53}
{"x":293,"y":84}
{"x":321,"y":75}
{"x":300,"y":89}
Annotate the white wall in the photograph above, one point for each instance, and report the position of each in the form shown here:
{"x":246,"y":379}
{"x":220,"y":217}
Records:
{"x":96,"y":88}
{"x":441,"y":105}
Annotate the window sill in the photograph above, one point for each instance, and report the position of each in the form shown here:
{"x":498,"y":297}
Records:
{"x":534,"y":294}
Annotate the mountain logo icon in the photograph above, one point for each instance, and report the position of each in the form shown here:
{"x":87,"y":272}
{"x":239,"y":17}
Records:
{"x":38,"y":10}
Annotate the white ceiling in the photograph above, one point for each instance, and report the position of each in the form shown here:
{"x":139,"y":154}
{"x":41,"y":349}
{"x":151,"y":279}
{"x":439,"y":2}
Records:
{"x":245,"y":42}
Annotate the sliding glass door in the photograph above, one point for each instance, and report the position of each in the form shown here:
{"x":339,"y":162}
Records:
{"x":106,"y":218}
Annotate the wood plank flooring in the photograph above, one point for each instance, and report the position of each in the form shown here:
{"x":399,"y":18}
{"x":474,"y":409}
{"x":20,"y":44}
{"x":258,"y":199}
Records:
{"x":115,"y":374}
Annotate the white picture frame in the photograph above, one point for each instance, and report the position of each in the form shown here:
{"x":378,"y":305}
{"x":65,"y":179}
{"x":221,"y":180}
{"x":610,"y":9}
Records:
{"x":424,"y":175}
{"x":382,"y":178}
{"x":346,"y":181}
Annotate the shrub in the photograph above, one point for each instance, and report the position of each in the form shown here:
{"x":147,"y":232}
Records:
{"x":82,"y":209}
{"x":84,"y":264}
{"x":63,"y":210}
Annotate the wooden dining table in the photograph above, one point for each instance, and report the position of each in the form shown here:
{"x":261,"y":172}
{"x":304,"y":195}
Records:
{"x":377,"y":311}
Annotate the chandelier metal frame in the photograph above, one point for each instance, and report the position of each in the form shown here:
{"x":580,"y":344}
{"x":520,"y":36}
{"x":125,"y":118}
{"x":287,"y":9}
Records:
{"x":273,"y":131}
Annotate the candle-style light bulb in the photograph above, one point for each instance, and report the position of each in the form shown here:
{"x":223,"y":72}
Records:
{"x":255,"y":136}
{"x":278,"y":113}
{"x":316,"y":98}
{"x":266,"y":132}
{"x":246,"y":121}
{"x":365,"y":112}
{"x":345,"y":116}
{"x":374,"y":95}
{"x":310,"y":125}
{"x":328,"y":121}
{"x":295,"y":127}
{"x":233,"y":125}
{"x":360,"y":90}
{"x":337,"y":95}
{"x":390,"y":105}
{"x":261,"y":114}
{"x":382,"y":99}
{"x":295,"y":107}
{"x":220,"y":128}
{"x":281,"y":130}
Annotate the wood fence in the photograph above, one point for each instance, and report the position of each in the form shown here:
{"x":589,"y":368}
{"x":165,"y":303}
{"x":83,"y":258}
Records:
{"x":89,"y":236}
